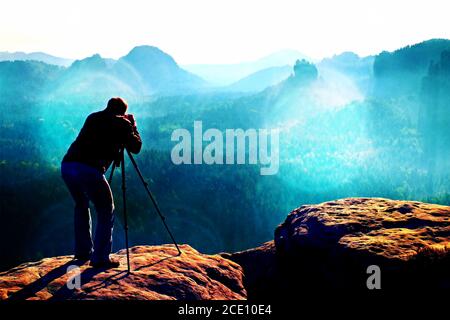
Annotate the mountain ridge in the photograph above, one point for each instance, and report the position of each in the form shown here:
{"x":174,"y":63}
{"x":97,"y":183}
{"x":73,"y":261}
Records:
{"x":226,"y":74}
{"x":144,"y":71}
{"x":36,"y":56}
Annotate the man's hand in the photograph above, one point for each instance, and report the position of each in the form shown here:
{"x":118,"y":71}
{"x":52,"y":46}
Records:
{"x":130,"y":118}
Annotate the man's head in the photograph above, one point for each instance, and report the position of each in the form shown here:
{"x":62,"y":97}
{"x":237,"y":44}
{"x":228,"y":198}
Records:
{"x":117,"y":106}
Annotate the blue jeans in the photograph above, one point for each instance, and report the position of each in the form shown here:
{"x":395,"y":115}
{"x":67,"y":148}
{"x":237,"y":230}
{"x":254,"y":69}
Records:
{"x":86,"y":184}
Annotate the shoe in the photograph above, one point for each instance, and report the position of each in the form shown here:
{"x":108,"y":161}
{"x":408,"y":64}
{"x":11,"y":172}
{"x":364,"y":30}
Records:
{"x":82,"y":257}
{"x":108,"y":264}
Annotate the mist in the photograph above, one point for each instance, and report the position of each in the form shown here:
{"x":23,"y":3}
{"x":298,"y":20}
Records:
{"x":349,"y":126}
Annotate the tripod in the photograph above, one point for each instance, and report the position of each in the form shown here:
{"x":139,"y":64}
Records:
{"x":120,"y":162}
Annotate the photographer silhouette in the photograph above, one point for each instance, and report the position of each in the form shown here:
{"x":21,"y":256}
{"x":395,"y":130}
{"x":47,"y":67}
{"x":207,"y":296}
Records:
{"x":83,"y":168}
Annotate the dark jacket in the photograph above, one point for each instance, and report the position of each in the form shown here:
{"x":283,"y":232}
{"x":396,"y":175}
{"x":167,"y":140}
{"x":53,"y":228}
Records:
{"x":100,"y":139}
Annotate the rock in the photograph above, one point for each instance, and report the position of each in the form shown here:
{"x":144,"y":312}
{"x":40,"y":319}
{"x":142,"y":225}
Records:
{"x":156,"y":274}
{"x":382,"y":228}
{"x":318,"y":248}
{"x":261,"y":269}
{"x":330,"y":246}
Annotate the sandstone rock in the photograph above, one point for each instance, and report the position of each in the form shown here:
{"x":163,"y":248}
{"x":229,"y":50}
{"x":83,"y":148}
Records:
{"x":263,"y":275}
{"x":156,"y":274}
{"x":377,"y":227}
{"x":329,"y":246}
{"x":317,"y":248}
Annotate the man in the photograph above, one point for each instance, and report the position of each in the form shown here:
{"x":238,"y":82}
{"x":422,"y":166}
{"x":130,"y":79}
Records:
{"x":83,"y":169}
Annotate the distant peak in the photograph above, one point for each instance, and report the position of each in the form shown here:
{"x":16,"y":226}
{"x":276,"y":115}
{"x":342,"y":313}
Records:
{"x":283,"y":57}
{"x":147,"y":53}
{"x":94,"y":61}
{"x":347,"y":54}
{"x":146,"y":49}
{"x":95,"y":58}
{"x":305,"y":71}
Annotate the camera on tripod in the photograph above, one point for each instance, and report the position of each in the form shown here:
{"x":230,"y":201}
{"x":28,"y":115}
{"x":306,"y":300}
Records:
{"x":120,"y":162}
{"x":129,"y":117}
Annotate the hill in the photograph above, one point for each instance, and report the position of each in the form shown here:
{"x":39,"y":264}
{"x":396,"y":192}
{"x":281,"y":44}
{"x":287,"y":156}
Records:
{"x":348,"y":66}
{"x":144,"y":71}
{"x":226,"y":74}
{"x":36,"y":56}
{"x":25,"y":81}
{"x":153,"y":70}
{"x":400,"y":73}
{"x":261,"y":79}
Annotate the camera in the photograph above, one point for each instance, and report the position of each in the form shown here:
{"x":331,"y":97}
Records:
{"x":130,"y":118}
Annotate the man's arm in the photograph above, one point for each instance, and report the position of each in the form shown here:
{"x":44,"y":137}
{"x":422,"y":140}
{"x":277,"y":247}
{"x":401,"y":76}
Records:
{"x":129,"y":134}
{"x":134,"y":142}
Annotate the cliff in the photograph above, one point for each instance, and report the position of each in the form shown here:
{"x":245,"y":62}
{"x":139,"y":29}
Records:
{"x":329,"y":246}
{"x":334,"y":246}
{"x":157,"y":274}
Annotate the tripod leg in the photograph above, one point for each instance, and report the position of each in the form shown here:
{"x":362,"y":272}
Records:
{"x":125,"y":224}
{"x":153,"y":200}
{"x":113,"y":167}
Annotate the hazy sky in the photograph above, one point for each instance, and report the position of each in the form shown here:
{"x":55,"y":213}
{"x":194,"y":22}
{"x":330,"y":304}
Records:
{"x":210,"y":31}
